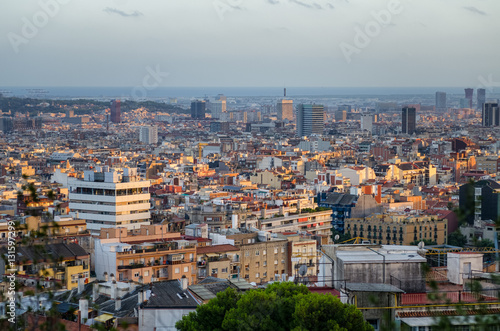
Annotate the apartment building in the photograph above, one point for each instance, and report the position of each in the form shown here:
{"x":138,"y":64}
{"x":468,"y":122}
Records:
{"x":398,"y":229}
{"x":108,"y":198}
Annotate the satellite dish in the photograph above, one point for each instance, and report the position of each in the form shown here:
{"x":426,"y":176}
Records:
{"x":421,"y":245}
{"x":337,"y":237}
{"x":303,"y":270}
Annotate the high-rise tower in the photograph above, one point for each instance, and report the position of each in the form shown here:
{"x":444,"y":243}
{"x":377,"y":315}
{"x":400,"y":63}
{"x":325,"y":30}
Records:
{"x":481,"y":97}
{"x":310,"y":119}
{"x":409,"y":120}
{"x":469,"y":93}
{"x":116,"y":114}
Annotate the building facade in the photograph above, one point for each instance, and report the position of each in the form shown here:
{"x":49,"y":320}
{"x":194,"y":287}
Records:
{"x":108,"y":198}
{"x":310,"y":119}
{"x":285,"y":110}
{"x":409,"y":120}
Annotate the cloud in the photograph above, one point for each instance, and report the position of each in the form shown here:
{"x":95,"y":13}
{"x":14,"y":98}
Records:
{"x":474,"y":10}
{"x":110,"y":11}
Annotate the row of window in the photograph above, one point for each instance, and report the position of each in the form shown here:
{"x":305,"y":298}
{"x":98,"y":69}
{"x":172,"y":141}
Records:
{"x":264,"y":252}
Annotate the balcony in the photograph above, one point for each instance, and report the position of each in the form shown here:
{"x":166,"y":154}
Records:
{"x":131,"y":266}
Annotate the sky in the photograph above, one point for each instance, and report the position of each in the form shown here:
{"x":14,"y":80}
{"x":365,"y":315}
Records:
{"x":337,"y":43}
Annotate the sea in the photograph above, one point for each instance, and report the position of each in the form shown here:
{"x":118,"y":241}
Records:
{"x":200,"y":92}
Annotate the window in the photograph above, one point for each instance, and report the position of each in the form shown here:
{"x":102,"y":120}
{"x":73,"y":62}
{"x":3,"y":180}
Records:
{"x":264,"y":252}
{"x":215,"y":271}
{"x":275,"y":261}
{"x":257,"y":275}
{"x":257,"y":253}
{"x":282,"y":261}
{"x":223,"y":270}
{"x":275,"y":251}
{"x":282,"y":249}
{"x":247,"y":253}
{"x":186,"y":269}
{"x":146,"y":273}
{"x":264,"y":274}
{"x":177,"y":270}
{"x":264,"y":263}
{"x":136,"y":275}
{"x":257,"y":264}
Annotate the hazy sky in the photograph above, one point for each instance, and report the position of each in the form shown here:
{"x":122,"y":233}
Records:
{"x":249,"y":43}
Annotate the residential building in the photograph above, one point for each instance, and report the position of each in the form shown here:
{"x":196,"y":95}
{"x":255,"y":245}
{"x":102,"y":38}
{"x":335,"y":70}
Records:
{"x":398,"y":228}
{"x":218,"y":108}
{"x":148,"y":134}
{"x":63,"y":262}
{"x":480,"y":201}
{"x":107,"y":198}
{"x":146,"y":255}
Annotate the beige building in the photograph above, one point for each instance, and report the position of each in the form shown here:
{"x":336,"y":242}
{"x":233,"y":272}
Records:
{"x":398,"y":229}
{"x":264,"y":261}
{"x":490,"y":164}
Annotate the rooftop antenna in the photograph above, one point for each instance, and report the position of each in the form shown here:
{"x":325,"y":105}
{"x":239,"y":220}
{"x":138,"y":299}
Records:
{"x":284,"y":92}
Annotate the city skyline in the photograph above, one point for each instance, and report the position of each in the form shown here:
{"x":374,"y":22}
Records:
{"x":126,"y":44}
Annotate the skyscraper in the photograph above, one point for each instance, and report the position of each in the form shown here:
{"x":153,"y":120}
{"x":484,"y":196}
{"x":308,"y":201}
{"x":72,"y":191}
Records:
{"x":441,"y":100}
{"x":469,"y":92}
{"x":148,"y":134}
{"x":367,"y":122}
{"x":116,"y":114}
{"x":285,"y":110}
{"x":409,"y":120}
{"x":198,"y":109}
{"x":310,"y":119}
{"x":217,"y":108}
{"x":481,"y":97}
{"x":491,"y":114}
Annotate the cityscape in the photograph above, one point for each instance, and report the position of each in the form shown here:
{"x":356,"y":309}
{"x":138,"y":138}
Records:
{"x":229,"y":167}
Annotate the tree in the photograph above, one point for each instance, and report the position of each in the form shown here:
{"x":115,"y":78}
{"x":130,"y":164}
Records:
{"x":457,"y":239}
{"x":281,"y":306}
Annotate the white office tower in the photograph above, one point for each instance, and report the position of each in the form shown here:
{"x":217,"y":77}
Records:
{"x":367,"y":122}
{"x":148,"y":134}
{"x":218,"y":107}
{"x":110,"y":198}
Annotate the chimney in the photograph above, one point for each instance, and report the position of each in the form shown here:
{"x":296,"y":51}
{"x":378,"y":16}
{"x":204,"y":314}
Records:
{"x":95,"y":291}
{"x":81,"y":284}
{"x":140,"y":297}
{"x":106,"y":276}
{"x":113,"y":290}
{"x":113,"y":277}
{"x":184,"y":283}
{"x":83,"y":307}
{"x":118,"y":304}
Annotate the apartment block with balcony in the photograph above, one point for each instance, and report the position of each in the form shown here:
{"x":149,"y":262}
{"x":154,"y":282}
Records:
{"x":61,"y":262}
{"x":145,"y":255}
{"x":316,"y":221}
{"x":263,"y":261}
{"x":110,"y":198}
{"x":220,"y":261}
{"x":398,"y":229}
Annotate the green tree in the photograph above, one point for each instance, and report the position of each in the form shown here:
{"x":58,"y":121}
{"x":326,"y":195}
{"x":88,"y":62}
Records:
{"x":281,"y":306}
{"x":211,"y":315}
{"x":457,"y":239}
